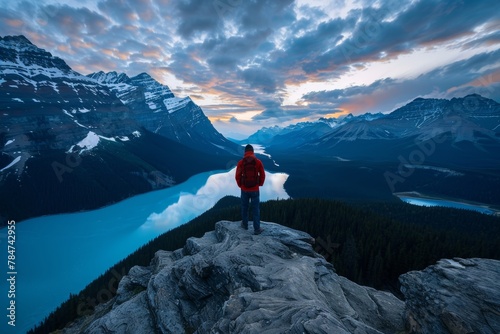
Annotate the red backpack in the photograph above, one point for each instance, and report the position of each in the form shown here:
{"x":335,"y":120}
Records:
{"x":249,"y":173}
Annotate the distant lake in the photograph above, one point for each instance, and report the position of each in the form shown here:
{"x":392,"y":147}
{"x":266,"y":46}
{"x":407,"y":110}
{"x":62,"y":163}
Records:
{"x":421,"y":201}
{"x":61,"y":254}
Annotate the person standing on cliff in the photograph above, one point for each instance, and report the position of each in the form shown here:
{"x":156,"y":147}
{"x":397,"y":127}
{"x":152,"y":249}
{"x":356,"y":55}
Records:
{"x":250,"y":175}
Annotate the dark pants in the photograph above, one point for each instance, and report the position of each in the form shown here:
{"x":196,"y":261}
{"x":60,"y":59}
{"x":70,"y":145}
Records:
{"x":246,"y":197}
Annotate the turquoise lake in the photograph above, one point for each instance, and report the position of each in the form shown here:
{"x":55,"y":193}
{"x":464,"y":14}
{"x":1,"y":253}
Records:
{"x":60,"y":254}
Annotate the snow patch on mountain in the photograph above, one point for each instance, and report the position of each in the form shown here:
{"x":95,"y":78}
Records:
{"x":175,"y":103}
{"x":54,"y":86}
{"x":87,"y":143}
{"x":80,"y":124}
{"x":67,"y":113}
{"x":108,"y":138}
{"x":33,"y":70}
{"x":15,"y":161}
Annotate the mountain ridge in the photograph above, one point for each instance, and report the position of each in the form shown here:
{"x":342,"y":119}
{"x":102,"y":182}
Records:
{"x":315,"y":129}
{"x":463,"y":132}
{"x":470,"y":118}
{"x":55,"y":121}
{"x":156,"y":108}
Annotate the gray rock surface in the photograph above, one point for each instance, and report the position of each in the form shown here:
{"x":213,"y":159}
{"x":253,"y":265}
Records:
{"x":231,"y":281}
{"x":456,"y":296}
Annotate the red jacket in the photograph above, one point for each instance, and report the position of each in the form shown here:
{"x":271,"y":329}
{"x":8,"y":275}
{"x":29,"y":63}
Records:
{"x":260,"y":171}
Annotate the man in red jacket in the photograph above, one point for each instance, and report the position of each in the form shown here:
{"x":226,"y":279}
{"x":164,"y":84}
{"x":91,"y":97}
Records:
{"x":250,"y":175}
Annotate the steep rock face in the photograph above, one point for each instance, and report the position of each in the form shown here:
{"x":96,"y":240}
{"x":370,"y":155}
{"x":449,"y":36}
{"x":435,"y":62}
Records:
{"x":45,"y":105}
{"x":231,"y":281}
{"x":155,"y":107}
{"x":18,"y":49}
{"x":454,"y":296}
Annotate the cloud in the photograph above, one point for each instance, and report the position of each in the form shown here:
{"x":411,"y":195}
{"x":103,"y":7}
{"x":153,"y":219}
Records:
{"x":242,"y":53}
{"x":195,"y":17}
{"x":234,"y":50}
{"x":336,"y":95}
{"x":259,"y":78}
{"x":217,"y":186}
{"x":127,"y":12}
{"x":266,"y":13}
{"x":389,"y":31}
{"x":71,"y":22}
{"x":453,"y":80}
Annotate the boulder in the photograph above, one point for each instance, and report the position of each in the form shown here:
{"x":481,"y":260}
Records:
{"x":457,"y":296}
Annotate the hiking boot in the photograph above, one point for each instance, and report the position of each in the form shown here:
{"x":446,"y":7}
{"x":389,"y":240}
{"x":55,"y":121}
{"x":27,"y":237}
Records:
{"x":259,"y":231}
{"x":243,"y":226}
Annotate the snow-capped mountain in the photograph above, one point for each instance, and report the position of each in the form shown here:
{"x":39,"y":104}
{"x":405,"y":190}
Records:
{"x":92,"y":139}
{"x":155,"y":107}
{"x":47,"y":106}
{"x":472,"y":118}
{"x":463,"y":131}
{"x":299,"y":133}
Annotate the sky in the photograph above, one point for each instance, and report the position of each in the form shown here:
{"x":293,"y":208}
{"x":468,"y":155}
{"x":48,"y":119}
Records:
{"x":256,"y":63}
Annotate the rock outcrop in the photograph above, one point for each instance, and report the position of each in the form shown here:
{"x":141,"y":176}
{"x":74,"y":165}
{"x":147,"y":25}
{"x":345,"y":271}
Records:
{"x":231,"y":281}
{"x":457,"y":296}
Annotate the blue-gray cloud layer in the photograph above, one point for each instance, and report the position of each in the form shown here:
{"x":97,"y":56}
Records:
{"x":252,"y":50}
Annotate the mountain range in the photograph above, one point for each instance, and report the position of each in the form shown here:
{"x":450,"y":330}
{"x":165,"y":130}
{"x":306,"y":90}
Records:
{"x":471,"y":120}
{"x":302,"y":132}
{"x":444,"y":148}
{"x":71,"y":142}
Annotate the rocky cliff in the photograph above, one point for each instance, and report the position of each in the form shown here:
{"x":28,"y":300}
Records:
{"x":231,"y":281}
{"x":154,"y":106}
{"x":456,"y":296}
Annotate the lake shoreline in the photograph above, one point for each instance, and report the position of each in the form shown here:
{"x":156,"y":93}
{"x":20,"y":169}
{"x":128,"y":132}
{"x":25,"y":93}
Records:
{"x":481,"y":207}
